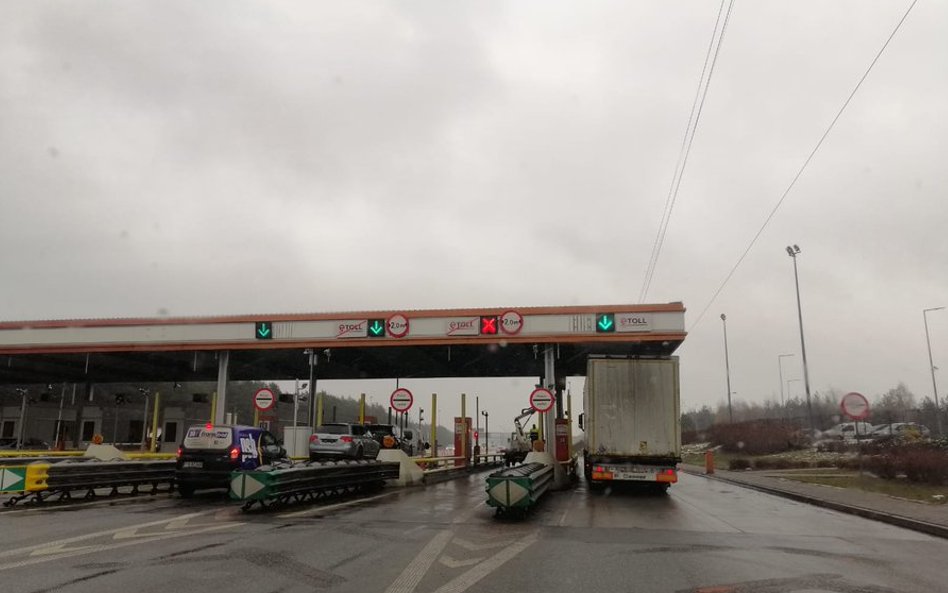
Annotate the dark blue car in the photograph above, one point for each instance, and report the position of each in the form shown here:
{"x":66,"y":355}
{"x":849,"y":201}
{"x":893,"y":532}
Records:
{"x":210,"y":452}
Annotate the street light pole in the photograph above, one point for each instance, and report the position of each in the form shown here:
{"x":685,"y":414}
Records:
{"x":793,"y":251}
{"x":727,"y":370}
{"x":780,"y":358}
{"x":486,"y":432}
{"x":931,"y":366}
{"x":19,"y":433}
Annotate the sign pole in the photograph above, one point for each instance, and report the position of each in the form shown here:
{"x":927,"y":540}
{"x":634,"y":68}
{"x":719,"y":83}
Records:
{"x":154,"y":424}
{"x":463,"y":428}
{"x":434,"y":424}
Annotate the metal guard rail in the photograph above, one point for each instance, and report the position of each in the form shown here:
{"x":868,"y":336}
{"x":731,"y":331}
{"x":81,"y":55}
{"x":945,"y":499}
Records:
{"x":516,"y":490}
{"x":287,"y":483}
{"x":63,"y":480}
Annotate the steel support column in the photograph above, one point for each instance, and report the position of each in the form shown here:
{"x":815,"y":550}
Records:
{"x":223,"y":368}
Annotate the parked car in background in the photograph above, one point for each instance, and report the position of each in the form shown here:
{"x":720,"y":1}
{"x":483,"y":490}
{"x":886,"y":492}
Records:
{"x":388,"y":437}
{"x":847,"y":431}
{"x":902,"y":429}
{"x":210,"y":452}
{"x":343,"y":441}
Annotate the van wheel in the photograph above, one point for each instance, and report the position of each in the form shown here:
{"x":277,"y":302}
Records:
{"x":186,"y":491}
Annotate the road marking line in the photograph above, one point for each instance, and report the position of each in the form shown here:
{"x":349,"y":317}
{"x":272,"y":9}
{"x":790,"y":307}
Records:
{"x":569,"y":503}
{"x":103,"y":547}
{"x":470,"y":578}
{"x":89,"y":536}
{"x":318,"y":510}
{"x":417,"y":568}
{"x":452,"y":563}
{"x":472,"y":547}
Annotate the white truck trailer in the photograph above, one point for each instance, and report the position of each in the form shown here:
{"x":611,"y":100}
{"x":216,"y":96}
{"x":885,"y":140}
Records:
{"x":631,"y":420}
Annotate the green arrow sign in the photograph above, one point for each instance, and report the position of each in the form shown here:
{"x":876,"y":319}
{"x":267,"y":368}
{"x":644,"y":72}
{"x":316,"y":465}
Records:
{"x":12,"y":479}
{"x":605,"y":323}
{"x":263,"y":330}
{"x":376,"y":327}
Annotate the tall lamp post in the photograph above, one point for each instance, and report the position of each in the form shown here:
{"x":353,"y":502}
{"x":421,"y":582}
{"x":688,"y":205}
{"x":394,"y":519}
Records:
{"x":931,"y":366}
{"x":793,"y":251}
{"x":780,"y":358}
{"x":486,"y":431}
{"x":727,"y":370}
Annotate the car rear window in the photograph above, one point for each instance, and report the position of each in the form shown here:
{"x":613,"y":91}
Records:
{"x":333,"y":429}
{"x":201,"y":437}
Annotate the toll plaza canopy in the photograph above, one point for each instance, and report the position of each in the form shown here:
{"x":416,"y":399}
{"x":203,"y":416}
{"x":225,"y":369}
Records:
{"x":489,"y":342}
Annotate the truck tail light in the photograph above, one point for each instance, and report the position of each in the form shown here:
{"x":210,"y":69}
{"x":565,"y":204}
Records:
{"x":668,"y":475}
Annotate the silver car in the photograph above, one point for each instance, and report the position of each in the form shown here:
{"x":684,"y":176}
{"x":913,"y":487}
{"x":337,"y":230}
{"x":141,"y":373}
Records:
{"x":343,"y":440}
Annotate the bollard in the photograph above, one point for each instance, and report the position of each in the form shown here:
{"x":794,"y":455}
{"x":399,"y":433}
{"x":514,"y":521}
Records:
{"x":709,"y":462}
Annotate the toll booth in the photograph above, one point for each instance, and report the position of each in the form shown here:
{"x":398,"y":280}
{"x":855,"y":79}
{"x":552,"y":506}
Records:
{"x":562,"y":439}
{"x":463,"y":446}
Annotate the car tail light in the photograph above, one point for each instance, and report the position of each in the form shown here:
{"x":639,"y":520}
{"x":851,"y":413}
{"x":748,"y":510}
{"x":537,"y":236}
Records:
{"x":208,"y":426}
{"x":234,"y":453}
{"x":314,"y":438}
{"x":180,"y":452}
{"x":345,"y":439}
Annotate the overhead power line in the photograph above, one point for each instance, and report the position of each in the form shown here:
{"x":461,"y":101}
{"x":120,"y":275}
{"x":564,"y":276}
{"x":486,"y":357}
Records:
{"x":714,"y":47}
{"x":806,"y":162}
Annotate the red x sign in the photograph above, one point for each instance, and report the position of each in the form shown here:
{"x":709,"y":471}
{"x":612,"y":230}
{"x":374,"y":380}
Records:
{"x":488,"y":325}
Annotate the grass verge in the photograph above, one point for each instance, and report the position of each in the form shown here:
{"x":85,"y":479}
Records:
{"x":898,"y":488}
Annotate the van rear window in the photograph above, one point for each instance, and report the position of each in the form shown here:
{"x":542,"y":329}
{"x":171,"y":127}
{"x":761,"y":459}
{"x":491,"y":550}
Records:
{"x":200,"y":437}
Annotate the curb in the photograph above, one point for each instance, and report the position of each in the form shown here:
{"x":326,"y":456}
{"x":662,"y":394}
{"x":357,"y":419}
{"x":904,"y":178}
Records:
{"x":897,"y":520}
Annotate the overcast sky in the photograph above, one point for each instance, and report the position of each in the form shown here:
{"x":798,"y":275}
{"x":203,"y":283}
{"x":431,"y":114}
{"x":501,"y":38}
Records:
{"x":204,"y":158}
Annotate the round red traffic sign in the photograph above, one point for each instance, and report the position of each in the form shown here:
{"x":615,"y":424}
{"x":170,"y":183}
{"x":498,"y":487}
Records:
{"x":397,"y":325}
{"x":511,"y":322}
{"x":264,"y":399}
{"x":855,"y":405}
{"x":401,"y":400}
{"x":542,"y":400}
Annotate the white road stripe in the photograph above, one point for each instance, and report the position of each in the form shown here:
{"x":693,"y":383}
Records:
{"x":417,"y":568}
{"x":322,"y":509}
{"x":471,"y":577}
{"x":103,"y":547}
{"x":88,"y":536}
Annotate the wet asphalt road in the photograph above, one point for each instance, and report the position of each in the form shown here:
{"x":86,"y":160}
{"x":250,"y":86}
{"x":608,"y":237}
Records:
{"x":703,"y":535}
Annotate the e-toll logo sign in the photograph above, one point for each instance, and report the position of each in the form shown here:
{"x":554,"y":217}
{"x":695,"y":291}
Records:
{"x":353,"y":328}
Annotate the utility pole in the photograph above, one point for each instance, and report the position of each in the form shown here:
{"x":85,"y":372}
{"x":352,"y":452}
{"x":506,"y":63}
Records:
{"x":931,"y":366}
{"x":727,"y":370}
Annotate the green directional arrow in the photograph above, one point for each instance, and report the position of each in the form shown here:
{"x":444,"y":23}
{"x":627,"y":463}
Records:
{"x":606,"y":323}
{"x":12,"y":479}
{"x":264,"y":330}
{"x":376,"y":327}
